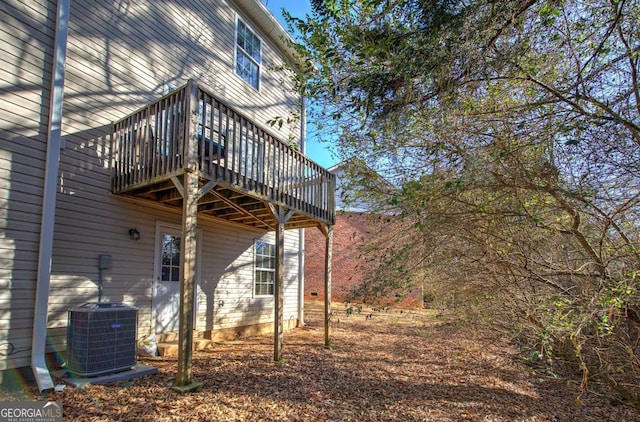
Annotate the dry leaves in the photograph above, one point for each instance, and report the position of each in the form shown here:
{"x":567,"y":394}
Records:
{"x":396,"y":365}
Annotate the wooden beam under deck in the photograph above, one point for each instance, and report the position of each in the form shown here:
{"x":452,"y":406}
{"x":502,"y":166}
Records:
{"x":226,"y":204}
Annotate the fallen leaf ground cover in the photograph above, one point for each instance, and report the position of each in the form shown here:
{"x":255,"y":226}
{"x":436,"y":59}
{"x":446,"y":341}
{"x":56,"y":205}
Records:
{"x":391,"y":365}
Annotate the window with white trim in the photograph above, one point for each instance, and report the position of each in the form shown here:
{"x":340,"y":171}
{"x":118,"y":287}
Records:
{"x":248,"y":54}
{"x":170,"y":263}
{"x":264,"y":264}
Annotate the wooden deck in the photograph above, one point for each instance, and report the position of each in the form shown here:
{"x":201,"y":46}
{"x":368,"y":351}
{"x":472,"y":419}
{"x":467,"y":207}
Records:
{"x":243,"y":171}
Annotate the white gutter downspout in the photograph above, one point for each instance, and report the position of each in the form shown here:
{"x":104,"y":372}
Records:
{"x":52,"y":165}
{"x":303,"y":136}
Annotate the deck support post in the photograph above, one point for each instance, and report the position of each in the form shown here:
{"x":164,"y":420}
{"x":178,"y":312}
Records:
{"x":278,"y":332}
{"x":189,"y":248}
{"x":282,"y":216}
{"x":328,"y":257}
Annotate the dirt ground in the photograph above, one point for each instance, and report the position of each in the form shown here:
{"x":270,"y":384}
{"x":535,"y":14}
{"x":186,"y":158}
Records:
{"x":394,"y":365}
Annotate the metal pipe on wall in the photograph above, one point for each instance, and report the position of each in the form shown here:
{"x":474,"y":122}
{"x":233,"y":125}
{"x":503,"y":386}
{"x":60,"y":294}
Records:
{"x":52,"y":166}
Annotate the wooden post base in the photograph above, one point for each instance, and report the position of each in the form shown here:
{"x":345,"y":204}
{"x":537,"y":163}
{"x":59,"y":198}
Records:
{"x":189,"y":388}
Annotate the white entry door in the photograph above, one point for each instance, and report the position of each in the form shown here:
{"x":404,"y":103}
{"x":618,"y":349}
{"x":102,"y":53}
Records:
{"x":168,"y":272}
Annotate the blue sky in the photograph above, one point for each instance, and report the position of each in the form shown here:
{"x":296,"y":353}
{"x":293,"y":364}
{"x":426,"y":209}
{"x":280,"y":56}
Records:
{"x":318,"y":152}
{"x":297,"y":8}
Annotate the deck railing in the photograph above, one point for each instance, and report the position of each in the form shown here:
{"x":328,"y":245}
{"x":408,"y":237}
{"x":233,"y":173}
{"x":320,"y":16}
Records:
{"x":152,"y":145}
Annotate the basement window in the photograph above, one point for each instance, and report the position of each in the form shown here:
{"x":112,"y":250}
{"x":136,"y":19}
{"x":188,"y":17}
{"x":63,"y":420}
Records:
{"x":265,"y":268}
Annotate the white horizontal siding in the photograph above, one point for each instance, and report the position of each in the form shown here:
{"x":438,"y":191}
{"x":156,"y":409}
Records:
{"x":83,"y":232}
{"x":235,"y":287}
{"x":26,"y":31}
{"x":116,"y":65}
{"x":119,"y":57}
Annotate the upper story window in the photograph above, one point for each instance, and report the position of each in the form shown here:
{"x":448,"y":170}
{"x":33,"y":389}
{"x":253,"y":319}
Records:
{"x":248,"y":54}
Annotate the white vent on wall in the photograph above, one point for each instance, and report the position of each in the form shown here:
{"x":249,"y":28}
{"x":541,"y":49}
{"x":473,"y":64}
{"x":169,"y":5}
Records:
{"x":101,"y":338}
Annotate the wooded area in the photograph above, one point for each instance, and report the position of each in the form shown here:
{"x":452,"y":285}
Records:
{"x":510,"y":133}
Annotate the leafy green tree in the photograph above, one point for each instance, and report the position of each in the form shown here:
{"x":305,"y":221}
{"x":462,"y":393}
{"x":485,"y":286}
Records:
{"x":512,"y":131}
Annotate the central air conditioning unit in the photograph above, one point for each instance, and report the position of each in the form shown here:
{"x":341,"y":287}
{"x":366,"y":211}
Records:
{"x":101,"y":338}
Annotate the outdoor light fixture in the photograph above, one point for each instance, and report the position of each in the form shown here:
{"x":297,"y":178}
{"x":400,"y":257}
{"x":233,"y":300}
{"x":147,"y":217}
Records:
{"x":134,"y":234}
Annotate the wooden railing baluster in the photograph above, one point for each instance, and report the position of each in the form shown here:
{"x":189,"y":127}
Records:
{"x":148,"y":146}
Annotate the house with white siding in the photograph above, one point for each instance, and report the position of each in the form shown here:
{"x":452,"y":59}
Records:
{"x":137,"y":166}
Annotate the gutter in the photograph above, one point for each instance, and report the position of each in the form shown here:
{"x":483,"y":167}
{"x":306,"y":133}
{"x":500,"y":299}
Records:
{"x":301,"y":251}
{"x":52,"y":166}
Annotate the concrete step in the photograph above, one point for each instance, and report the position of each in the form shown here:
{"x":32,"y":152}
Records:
{"x":172,"y":336}
{"x":170,"y":348}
